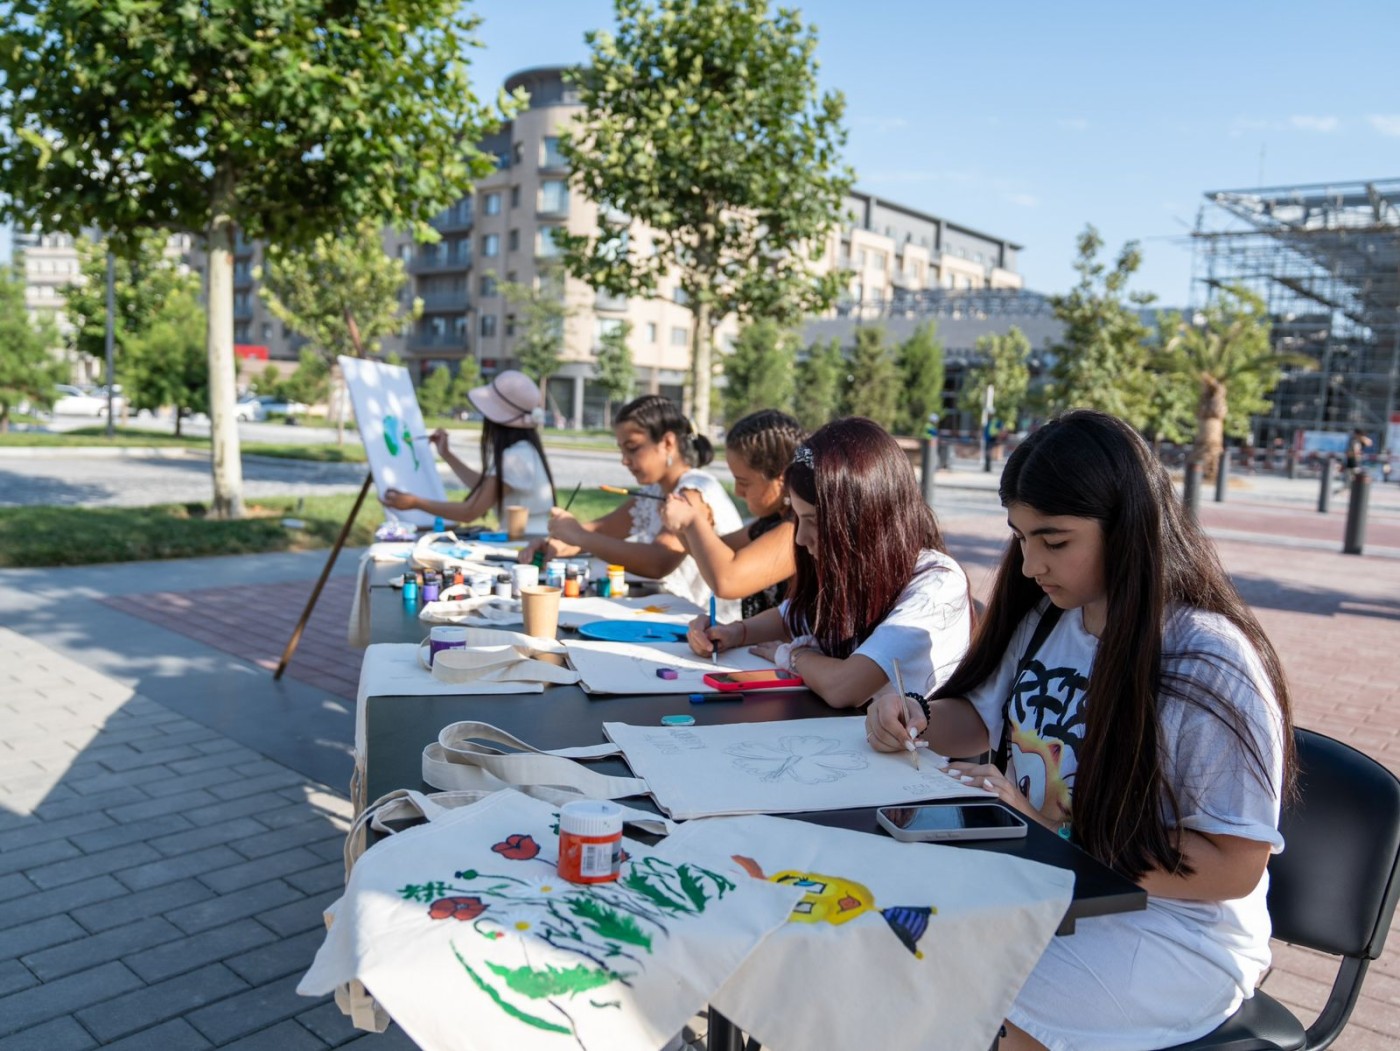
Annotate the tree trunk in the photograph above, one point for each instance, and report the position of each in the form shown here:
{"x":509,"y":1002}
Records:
{"x":1210,"y":426}
{"x":226,"y":457}
{"x":701,"y":370}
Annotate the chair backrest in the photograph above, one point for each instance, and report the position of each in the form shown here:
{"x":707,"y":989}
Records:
{"x":1334,"y":886}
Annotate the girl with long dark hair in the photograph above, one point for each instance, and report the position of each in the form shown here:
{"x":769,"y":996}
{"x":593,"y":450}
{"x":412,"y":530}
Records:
{"x":1135,"y":706}
{"x":514,"y":470}
{"x":755,"y":563}
{"x":665,"y":455}
{"x":874,"y":584}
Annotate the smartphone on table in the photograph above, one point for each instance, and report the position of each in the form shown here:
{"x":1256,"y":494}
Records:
{"x":950,"y":821}
{"x":768,"y":679}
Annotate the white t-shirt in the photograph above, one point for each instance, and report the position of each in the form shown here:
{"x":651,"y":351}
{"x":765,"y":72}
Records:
{"x":685,"y":580}
{"x":928,"y":629}
{"x":1125,"y":972}
{"x":526,"y":484}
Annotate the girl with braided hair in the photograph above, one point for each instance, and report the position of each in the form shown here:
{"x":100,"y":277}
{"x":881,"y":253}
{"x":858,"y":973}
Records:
{"x":754,"y":564}
{"x":665,"y":455}
{"x":873,"y":586}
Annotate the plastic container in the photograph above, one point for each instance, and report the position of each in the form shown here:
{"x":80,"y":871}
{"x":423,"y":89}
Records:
{"x":590,"y":841}
{"x":503,"y":585}
{"x":410,"y":589}
{"x":617,"y":580}
{"x":554,"y":573}
{"x":571,"y":583}
{"x":431,"y":586}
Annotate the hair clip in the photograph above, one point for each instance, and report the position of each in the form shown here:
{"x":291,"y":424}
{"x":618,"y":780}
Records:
{"x":802,"y":456}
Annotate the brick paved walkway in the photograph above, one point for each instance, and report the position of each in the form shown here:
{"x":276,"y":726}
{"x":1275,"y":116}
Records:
{"x":128,"y":918}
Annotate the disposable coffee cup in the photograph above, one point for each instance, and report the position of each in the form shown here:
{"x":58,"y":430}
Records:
{"x":523,"y":576}
{"x":539,"y":608}
{"x":442,"y":637}
{"x":517,"y":519}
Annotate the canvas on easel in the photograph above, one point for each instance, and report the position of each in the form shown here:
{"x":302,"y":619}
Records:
{"x":392,"y":430}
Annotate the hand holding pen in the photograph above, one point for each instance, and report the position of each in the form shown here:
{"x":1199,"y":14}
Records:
{"x":913,"y":734}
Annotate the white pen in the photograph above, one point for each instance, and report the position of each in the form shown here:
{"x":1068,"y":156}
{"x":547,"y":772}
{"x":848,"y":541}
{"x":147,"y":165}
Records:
{"x":913,"y":734}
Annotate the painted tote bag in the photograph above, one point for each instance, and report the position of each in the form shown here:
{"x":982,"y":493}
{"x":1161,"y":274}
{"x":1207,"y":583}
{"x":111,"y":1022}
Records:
{"x":893,"y":945}
{"x":464,"y":934}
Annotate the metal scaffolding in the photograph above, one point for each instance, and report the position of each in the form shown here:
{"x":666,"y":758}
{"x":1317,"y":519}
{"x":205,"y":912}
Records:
{"x":1326,"y":260}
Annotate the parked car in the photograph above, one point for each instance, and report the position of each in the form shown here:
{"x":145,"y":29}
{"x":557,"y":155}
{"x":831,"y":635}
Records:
{"x":74,"y":401}
{"x":250,"y":409}
{"x":274,"y":405}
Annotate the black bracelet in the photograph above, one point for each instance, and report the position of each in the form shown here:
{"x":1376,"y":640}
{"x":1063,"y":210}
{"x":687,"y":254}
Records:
{"x":922,"y":702}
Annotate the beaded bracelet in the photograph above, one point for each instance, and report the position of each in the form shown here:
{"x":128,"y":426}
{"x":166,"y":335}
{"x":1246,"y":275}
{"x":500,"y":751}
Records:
{"x":922,"y":702}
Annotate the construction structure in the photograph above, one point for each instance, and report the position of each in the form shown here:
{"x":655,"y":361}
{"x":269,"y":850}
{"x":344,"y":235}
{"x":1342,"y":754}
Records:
{"x":1325,"y":258}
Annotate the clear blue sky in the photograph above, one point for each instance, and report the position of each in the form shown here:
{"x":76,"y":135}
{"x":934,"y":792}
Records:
{"x":1028,"y":120}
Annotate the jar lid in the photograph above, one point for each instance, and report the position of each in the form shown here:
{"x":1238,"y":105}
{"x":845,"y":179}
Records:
{"x":617,"y":569}
{"x":591,"y":817}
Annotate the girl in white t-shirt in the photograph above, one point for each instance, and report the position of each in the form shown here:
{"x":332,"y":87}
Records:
{"x":514,"y":470}
{"x":663,"y":452}
{"x":1137,"y":708}
{"x":874,"y":587}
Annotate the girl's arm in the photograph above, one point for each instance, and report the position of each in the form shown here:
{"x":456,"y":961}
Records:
{"x":765,"y":627}
{"x":606,"y":538}
{"x":469,"y":476}
{"x":735,"y":567}
{"x":841,"y":683}
{"x":482,"y":500}
{"x":953,"y":726}
{"x":1224,"y":867}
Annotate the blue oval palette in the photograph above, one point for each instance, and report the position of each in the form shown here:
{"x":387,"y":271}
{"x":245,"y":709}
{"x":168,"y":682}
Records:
{"x":633,"y":631}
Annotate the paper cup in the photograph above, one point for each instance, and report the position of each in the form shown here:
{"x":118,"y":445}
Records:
{"x":540,"y":609}
{"x":523,"y":576}
{"x":442,"y":637}
{"x":517,"y":519}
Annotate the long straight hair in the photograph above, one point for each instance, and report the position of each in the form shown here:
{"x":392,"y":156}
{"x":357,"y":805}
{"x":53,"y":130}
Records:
{"x":1087,"y":464}
{"x":872,"y":523}
{"x":496,"y":438}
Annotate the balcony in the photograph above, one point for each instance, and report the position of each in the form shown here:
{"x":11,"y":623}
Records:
{"x":445,"y":302}
{"x":438,"y":264}
{"x":613,"y":304}
{"x":454,"y":220}
{"x":438,"y":341}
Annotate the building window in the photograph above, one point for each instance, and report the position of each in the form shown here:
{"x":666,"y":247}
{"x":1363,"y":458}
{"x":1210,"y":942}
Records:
{"x":488,"y":286}
{"x":515,"y":196}
{"x":510,"y":325}
{"x":680,"y":298}
{"x":603,"y":327}
{"x":517,"y":153}
{"x":459,"y":327}
{"x":554,"y":197}
{"x":240,"y":332}
{"x":406,"y":252}
{"x":488,"y":325}
{"x":653,"y":333}
{"x":860,"y":259}
{"x":550,"y":157}
{"x":878,"y":259}
{"x":491,"y":204}
{"x":491,"y":246}
{"x":513,"y":241}
{"x":547,"y":246}
{"x":680,"y":336}
{"x":266,"y":331}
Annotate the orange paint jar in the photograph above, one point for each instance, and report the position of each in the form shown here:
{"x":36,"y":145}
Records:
{"x":590,"y":841}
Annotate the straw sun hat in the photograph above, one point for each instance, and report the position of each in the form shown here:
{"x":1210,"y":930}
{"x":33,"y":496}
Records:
{"x":512,"y":399}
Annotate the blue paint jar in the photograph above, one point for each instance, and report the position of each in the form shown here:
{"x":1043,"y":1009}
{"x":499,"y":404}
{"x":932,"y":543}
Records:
{"x":410,"y":589}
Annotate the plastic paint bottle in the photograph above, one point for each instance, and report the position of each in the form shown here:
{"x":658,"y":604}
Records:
{"x":590,"y":841}
{"x":554,"y":574}
{"x":503,"y":585}
{"x":571,"y":583}
{"x":617,"y":580}
{"x":410,"y":589}
{"x":431,"y":585}
{"x":438,"y":524}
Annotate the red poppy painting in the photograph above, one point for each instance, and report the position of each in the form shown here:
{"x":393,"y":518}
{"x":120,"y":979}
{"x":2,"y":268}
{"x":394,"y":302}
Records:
{"x":463,"y":909}
{"x":518,"y":847}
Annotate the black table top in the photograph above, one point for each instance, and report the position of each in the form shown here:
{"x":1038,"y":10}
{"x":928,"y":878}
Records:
{"x":397,"y":729}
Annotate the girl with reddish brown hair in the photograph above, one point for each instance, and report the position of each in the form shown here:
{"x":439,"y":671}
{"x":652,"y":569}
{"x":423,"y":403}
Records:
{"x":874,"y":584}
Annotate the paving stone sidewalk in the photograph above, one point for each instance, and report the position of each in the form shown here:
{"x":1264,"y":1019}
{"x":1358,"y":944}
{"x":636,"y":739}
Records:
{"x":161,"y":886}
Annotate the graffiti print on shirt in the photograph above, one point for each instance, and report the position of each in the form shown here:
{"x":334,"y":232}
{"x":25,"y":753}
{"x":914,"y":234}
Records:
{"x":1046,"y":714}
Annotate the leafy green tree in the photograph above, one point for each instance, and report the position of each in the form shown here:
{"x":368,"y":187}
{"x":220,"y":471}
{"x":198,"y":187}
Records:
{"x":821,"y":378}
{"x":435,"y":392}
{"x":617,"y":376}
{"x":143,"y":284}
{"x":704,"y":122}
{"x":539,"y":317}
{"x":760,"y":370}
{"x":270,"y":382}
{"x":28,"y":369}
{"x":1003,"y":363}
{"x":310,"y":381}
{"x":166,"y":364}
{"x":873,"y":378}
{"x":1101,"y":359}
{"x":1224,"y":354}
{"x":283,"y":119}
{"x":468,"y":376}
{"x":341,"y":292}
{"x":920,"y":363}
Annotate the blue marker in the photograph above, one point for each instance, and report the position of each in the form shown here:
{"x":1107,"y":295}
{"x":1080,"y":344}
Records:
{"x":732,"y":697}
{"x":714,"y":646}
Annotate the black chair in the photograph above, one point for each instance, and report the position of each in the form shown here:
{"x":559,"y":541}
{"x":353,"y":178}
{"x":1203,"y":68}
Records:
{"x":1332,"y":889}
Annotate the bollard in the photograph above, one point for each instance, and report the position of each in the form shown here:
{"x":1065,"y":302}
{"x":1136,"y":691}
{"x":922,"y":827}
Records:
{"x":930,"y":456}
{"x":1355,"y":537}
{"x":945,"y":456}
{"x":1324,"y":495}
{"x":1222,"y":476}
{"x":1191,"y":487}
{"x":1292,"y":465}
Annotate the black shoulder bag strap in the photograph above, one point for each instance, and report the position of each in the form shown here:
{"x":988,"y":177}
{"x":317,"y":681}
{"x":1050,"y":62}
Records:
{"x":1043,"y":628}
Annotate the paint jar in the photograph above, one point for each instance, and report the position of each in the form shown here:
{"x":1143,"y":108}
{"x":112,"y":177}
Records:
{"x":554,"y":573}
{"x":604,"y":587}
{"x":438,"y":524}
{"x":571,"y":583}
{"x":432,"y":583}
{"x":590,"y":841}
{"x":617,"y":581}
{"x":503,"y":585}
{"x":410,"y":589}
{"x":584,"y":573}
{"x":458,"y":577}
{"x":481,"y":584}
{"x":523,"y":576}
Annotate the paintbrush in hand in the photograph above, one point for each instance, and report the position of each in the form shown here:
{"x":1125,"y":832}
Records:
{"x":630,"y":492}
